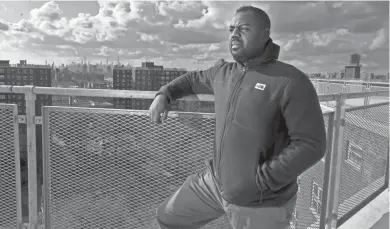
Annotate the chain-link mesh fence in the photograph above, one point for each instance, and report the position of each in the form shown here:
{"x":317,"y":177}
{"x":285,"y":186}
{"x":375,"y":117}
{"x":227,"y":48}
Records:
{"x":365,"y":151}
{"x":112,"y":168}
{"x":10,"y":197}
{"x":309,"y":202}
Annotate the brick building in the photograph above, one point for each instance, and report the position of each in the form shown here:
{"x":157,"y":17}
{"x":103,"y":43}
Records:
{"x":363,"y":168}
{"x":149,"y":77}
{"x":23,"y":74}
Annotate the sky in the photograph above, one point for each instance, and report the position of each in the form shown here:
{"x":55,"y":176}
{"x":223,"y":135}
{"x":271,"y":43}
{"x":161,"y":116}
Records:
{"x":313,"y":36}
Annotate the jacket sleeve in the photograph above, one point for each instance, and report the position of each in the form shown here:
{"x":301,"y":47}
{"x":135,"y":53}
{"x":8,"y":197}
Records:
{"x":197,"y":82}
{"x":304,"y":120}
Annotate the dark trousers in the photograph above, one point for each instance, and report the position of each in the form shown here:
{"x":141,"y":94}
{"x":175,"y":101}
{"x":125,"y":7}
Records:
{"x":198,"y":202}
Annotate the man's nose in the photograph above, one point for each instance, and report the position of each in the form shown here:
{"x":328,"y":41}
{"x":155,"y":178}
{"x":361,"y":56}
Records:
{"x":235,"y":33}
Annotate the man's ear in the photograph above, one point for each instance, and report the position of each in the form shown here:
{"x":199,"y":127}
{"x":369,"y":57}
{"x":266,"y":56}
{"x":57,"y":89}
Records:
{"x":267,"y":34}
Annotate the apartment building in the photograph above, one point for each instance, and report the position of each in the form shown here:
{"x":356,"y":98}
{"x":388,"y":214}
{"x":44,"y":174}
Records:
{"x":23,"y":74}
{"x":149,"y":77}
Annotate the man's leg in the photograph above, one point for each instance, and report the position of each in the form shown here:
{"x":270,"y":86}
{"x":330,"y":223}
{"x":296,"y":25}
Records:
{"x":193,"y":205}
{"x":260,"y":218}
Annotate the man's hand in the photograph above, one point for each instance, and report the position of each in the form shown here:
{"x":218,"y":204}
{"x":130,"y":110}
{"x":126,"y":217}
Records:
{"x":158,"y":111}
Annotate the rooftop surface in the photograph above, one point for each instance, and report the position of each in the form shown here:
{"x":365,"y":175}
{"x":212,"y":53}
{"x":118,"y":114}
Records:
{"x":374,"y":215}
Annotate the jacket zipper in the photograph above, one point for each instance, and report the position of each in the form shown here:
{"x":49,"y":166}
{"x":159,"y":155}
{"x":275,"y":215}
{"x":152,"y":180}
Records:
{"x":232,"y":95}
{"x":235,"y":105}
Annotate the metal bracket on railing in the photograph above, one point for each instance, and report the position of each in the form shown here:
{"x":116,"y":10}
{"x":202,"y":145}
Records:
{"x":21,"y":118}
{"x":38,"y":120}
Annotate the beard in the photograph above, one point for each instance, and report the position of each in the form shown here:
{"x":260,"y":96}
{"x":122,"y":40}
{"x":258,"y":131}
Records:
{"x":243,"y":54}
{"x":239,"y":55}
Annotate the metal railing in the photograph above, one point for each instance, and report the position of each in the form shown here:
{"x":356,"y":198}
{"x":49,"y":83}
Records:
{"x":111,"y":168}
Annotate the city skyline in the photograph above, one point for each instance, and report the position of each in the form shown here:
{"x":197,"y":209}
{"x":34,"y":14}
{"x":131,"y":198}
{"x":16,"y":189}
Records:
{"x":314,"y":36}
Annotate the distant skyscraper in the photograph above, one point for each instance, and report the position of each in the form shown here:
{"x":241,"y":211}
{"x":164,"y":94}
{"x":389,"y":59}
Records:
{"x":352,"y":71}
{"x":354,"y":59}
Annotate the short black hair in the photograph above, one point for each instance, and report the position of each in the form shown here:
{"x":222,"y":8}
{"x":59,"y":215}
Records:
{"x":260,"y":14}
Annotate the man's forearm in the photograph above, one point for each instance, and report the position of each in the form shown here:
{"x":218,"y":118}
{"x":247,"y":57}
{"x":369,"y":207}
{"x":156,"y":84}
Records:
{"x":296,"y":158}
{"x":177,"y":88}
{"x":196,"y":82}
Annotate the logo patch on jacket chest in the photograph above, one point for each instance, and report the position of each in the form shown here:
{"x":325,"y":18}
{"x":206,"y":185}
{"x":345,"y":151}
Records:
{"x":260,"y":86}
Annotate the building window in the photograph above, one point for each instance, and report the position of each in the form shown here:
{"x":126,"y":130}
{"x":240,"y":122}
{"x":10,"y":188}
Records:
{"x":316,"y":198}
{"x":354,"y":155}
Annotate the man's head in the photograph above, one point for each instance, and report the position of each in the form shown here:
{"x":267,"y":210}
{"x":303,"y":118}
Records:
{"x":249,"y":32}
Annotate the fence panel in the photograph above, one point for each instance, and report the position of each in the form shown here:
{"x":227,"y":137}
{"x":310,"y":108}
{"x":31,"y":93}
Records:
{"x":309,"y":202}
{"x":335,"y":88}
{"x":355,"y":88}
{"x":111,"y":168}
{"x":321,"y":88}
{"x":366,"y":145}
{"x":10,"y":185}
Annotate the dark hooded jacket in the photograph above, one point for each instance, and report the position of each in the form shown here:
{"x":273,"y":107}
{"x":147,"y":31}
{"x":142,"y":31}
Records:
{"x":269,"y":126}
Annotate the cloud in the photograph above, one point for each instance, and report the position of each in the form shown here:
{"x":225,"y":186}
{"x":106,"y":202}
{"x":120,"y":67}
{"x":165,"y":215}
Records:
{"x":379,"y":40}
{"x":3,"y":26}
{"x":314,"y":36}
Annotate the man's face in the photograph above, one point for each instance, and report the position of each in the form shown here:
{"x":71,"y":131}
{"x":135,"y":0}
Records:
{"x":247,"y":36}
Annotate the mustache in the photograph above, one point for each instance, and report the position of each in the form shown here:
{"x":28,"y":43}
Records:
{"x":235,"y":40}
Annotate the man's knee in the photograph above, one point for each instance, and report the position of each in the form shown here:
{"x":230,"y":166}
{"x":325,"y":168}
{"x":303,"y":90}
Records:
{"x":164,"y":219}
{"x":160,"y":214}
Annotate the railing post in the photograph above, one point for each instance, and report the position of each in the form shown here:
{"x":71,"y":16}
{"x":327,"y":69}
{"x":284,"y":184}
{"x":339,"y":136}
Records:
{"x":387,"y":175}
{"x":325,"y":188}
{"x":32,"y":159}
{"x":344,"y":89}
{"x":335,"y":164}
{"x":327,"y":88}
{"x":367,"y":97}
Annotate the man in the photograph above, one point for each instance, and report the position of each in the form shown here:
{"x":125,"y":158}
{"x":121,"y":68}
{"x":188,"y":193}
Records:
{"x":269,"y":130}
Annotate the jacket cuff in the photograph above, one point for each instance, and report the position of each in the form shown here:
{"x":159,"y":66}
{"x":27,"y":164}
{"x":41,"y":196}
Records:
{"x":166,"y":94}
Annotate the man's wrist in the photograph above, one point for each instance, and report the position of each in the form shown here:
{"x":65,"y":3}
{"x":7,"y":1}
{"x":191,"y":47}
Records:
{"x":163,"y":96}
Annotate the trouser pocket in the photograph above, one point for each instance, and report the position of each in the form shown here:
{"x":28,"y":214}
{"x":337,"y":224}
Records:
{"x":266,"y":217}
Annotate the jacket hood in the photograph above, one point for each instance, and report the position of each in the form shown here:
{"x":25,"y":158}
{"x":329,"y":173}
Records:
{"x":269,"y":53}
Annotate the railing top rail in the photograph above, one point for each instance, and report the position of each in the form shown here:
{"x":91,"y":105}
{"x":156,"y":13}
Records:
{"x":367,"y":106}
{"x":351,"y":81}
{"x":109,"y":93}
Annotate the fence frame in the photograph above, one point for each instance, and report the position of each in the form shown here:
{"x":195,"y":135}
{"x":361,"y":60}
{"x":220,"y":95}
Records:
{"x":17,"y":165}
{"x":376,"y":193}
{"x":333,"y":158}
